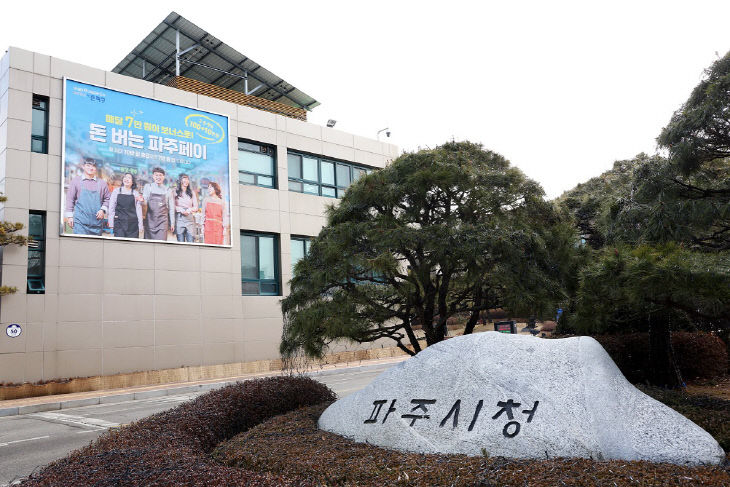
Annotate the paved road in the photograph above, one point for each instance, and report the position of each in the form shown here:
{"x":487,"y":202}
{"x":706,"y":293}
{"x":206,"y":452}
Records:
{"x":30,"y":441}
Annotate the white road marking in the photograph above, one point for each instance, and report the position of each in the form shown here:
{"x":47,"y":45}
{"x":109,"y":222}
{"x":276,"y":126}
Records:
{"x":77,"y":420}
{"x":21,"y":441}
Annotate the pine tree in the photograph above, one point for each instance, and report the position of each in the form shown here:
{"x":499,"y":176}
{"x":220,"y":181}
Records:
{"x":9,"y":236}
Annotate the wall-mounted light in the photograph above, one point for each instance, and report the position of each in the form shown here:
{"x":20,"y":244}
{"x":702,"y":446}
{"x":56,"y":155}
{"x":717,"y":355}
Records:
{"x":386,"y":130}
{"x":331,"y":123}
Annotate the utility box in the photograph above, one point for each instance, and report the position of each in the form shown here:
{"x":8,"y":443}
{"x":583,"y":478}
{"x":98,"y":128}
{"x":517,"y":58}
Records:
{"x":506,"y":326}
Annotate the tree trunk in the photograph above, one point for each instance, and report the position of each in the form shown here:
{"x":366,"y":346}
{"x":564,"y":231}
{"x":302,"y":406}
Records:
{"x":474,"y":317}
{"x":409,"y":332}
{"x":663,"y":368}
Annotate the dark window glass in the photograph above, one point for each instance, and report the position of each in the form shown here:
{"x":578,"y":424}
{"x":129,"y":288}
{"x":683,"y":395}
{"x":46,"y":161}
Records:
{"x":39,"y":125}
{"x":249,"y":261}
{"x":256,"y":164}
{"x":37,"y":253}
{"x":259,"y":264}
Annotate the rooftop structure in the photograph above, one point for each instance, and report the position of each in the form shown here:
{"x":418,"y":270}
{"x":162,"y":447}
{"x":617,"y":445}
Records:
{"x":177,"y":52}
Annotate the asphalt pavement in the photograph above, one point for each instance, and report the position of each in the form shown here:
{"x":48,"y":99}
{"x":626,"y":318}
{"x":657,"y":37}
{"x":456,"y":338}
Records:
{"x":37,"y":431}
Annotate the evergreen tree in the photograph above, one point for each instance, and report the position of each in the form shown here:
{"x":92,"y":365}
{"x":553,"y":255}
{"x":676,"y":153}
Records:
{"x":9,"y":236}
{"x":450,"y":230}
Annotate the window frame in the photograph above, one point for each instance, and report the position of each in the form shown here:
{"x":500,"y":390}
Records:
{"x":43,"y":139}
{"x":277,"y":264}
{"x":306,"y":241}
{"x":256,"y":175}
{"x":37,"y":243}
{"x":337,"y":188}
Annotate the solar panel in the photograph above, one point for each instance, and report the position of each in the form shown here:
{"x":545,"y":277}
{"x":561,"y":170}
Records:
{"x":206,"y":59}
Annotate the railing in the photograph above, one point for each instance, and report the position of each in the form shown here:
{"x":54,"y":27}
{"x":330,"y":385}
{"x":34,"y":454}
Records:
{"x":201,"y":88}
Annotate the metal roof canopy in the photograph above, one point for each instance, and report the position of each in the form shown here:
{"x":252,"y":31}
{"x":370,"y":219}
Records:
{"x":205,"y":58}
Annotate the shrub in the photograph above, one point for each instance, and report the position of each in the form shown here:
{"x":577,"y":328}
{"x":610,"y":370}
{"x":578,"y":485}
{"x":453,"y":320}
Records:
{"x":171,"y":448}
{"x":698,"y":355}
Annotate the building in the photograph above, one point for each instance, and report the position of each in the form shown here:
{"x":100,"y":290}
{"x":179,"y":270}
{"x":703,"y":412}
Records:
{"x":91,"y":305}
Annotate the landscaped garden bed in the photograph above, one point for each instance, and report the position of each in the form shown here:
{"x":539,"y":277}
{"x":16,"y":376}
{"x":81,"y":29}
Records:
{"x":263,"y":433}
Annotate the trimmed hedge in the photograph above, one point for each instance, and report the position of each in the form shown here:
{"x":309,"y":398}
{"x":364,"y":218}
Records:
{"x":172,"y":447}
{"x":292,"y":446}
{"x":698,"y":355}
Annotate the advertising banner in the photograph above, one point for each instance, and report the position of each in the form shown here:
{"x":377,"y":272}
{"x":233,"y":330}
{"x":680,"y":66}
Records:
{"x":141,"y":169}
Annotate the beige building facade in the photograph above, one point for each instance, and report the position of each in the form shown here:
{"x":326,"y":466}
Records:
{"x":111,"y":307}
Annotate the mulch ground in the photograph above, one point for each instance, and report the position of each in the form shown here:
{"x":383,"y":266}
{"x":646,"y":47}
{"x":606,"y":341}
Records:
{"x":293,"y":447}
{"x":263,"y":433}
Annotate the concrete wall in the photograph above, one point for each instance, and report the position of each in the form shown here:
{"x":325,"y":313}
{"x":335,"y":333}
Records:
{"x":113,"y":306}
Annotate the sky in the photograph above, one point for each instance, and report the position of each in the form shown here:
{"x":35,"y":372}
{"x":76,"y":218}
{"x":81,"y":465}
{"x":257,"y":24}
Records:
{"x":562,"y":89}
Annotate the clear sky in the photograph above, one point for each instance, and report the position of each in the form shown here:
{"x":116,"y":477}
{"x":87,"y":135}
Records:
{"x":561,"y":89}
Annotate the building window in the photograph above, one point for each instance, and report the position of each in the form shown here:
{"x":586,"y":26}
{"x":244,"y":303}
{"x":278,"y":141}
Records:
{"x":37,"y":252}
{"x":256,"y":164}
{"x":39,"y":125}
{"x":315,"y":175}
{"x":259,"y":264}
{"x":299,"y":249}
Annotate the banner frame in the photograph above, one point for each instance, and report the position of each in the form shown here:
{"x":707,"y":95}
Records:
{"x":126,"y":239}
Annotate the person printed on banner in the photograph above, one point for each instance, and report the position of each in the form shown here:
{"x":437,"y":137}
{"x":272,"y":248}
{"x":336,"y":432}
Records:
{"x":214,"y":214}
{"x":186,"y":203}
{"x":125,"y":209}
{"x":158,"y":200}
{"x":87,"y":200}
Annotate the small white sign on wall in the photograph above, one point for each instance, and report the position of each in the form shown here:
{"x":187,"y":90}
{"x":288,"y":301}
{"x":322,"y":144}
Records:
{"x":13,"y":330}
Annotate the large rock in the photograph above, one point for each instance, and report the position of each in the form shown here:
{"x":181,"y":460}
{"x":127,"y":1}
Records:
{"x":518,"y":396}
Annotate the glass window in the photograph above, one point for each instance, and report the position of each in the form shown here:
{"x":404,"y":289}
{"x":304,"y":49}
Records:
{"x":39,"y":125}
{"x":267,"y":258}
{"x":328,"y":173}
{"x":256,"y":164}
{"x":343,"y":175}
{"x":299,"y":249}
{"x":309,"y":169}
{"x":314,"y":175}
{"x":294,"y":162}
{"x":259,"y":264}
{"x":37,"y":253}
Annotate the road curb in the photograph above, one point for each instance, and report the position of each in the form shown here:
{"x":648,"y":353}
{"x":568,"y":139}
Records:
{"x":150,"y":394}
{"x":110,"y":399}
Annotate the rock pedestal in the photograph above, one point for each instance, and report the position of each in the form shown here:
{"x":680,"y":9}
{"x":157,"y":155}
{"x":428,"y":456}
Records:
{"x":521,"y":397}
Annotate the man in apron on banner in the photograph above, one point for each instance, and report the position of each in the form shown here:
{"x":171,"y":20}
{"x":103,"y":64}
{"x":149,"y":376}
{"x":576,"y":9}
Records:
{"x":87,"y":200}
{"x":157,"y":198}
